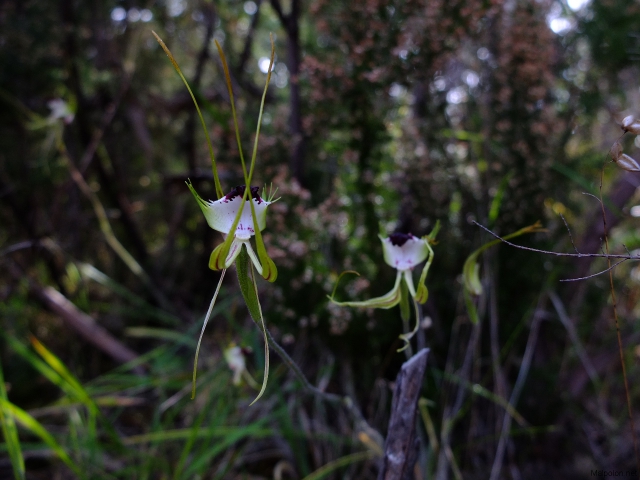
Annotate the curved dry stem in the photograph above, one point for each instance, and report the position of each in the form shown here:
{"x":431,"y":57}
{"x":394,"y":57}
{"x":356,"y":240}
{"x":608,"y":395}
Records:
{"x":615,"y":317}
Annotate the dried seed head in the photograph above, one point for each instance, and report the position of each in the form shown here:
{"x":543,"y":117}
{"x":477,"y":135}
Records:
{"x":627,"y":163}
{"x":631,"y":125}
{"x":616,"y":151}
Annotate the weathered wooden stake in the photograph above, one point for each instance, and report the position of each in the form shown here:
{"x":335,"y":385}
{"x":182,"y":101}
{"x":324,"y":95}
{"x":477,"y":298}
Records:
{"x":401,"y":445}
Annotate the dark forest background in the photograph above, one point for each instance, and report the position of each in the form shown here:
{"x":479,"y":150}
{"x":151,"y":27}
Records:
{"x":381,"y":116}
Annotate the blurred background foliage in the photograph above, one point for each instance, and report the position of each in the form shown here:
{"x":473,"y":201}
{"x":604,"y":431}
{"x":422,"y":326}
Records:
{"x":381,"y":116}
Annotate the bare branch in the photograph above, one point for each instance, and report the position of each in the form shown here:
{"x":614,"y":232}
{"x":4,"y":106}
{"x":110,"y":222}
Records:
{"x":558,"y":254}
{"x":595,"y":274}
{"x":569,"y":231}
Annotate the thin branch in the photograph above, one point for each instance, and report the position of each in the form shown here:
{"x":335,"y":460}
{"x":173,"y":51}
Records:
{"x":85,"y":325}
{"x":595,"y":274}
{"x":617,"y":323}
{"x":557,"y":254}
{"x":569,"y":231}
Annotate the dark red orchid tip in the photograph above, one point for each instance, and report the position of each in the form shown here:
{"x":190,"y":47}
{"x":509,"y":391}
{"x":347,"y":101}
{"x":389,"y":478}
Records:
{"x":239,"y":192}
{"x":399,"y":239}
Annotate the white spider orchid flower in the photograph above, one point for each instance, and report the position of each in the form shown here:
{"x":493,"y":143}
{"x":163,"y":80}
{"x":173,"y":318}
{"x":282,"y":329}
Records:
{"x":239,"y":215}
{"x":402,"y":251}
{"x":221,"y":215}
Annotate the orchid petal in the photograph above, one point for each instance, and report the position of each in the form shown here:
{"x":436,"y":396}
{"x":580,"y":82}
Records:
{"x":406,"y":256}
{"x":388,"y":300}
{"x":234,"y":250}
{"x":250,"y":295}
{"x":254,"y":258}
{"x":263,"y":327}
{"x":422,"y":293}
{"x":408,"y":280}
{"x":408,"y":336}
{"x":220,"y":260}
{"x":206,"y":320}
{"x":221,"y":214}
{"x":268,"y":269}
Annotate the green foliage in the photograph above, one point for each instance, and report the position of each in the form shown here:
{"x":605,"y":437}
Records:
{"x":380,"y":117}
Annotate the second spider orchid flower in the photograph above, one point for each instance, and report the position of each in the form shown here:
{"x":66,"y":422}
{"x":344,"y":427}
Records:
{"x":403,"y":252}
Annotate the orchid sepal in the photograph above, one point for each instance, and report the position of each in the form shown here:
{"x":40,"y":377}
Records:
{"x":405,"y":255}
{"x":423,"y":293}
{"x":386,"y":301}
{"x":406,"y":337}
{"x":268,"y":269}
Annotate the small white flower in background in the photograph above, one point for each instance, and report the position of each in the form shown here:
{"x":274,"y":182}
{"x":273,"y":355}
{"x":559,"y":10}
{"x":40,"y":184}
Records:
{"x":402,"y":251}
{"x":60,"y":110}
{"x":236,"y":362}
{"x":236,"y":357}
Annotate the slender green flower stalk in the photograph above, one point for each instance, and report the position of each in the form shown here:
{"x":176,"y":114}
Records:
{"x":403,"y":252}
{"x":231,"y":216}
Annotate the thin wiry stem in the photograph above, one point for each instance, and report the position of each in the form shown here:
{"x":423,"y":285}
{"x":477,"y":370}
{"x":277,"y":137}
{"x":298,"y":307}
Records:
{"x":345,"y":401}
{"x":611,"y":267}
{"x":615,"y":316}
{"x":557,"y":254}
{"x":569,"y":232}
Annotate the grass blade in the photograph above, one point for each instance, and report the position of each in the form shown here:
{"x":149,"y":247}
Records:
{"x":10,"y":434}
{"x":35,"y":427}
{"x":339,"y":463}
